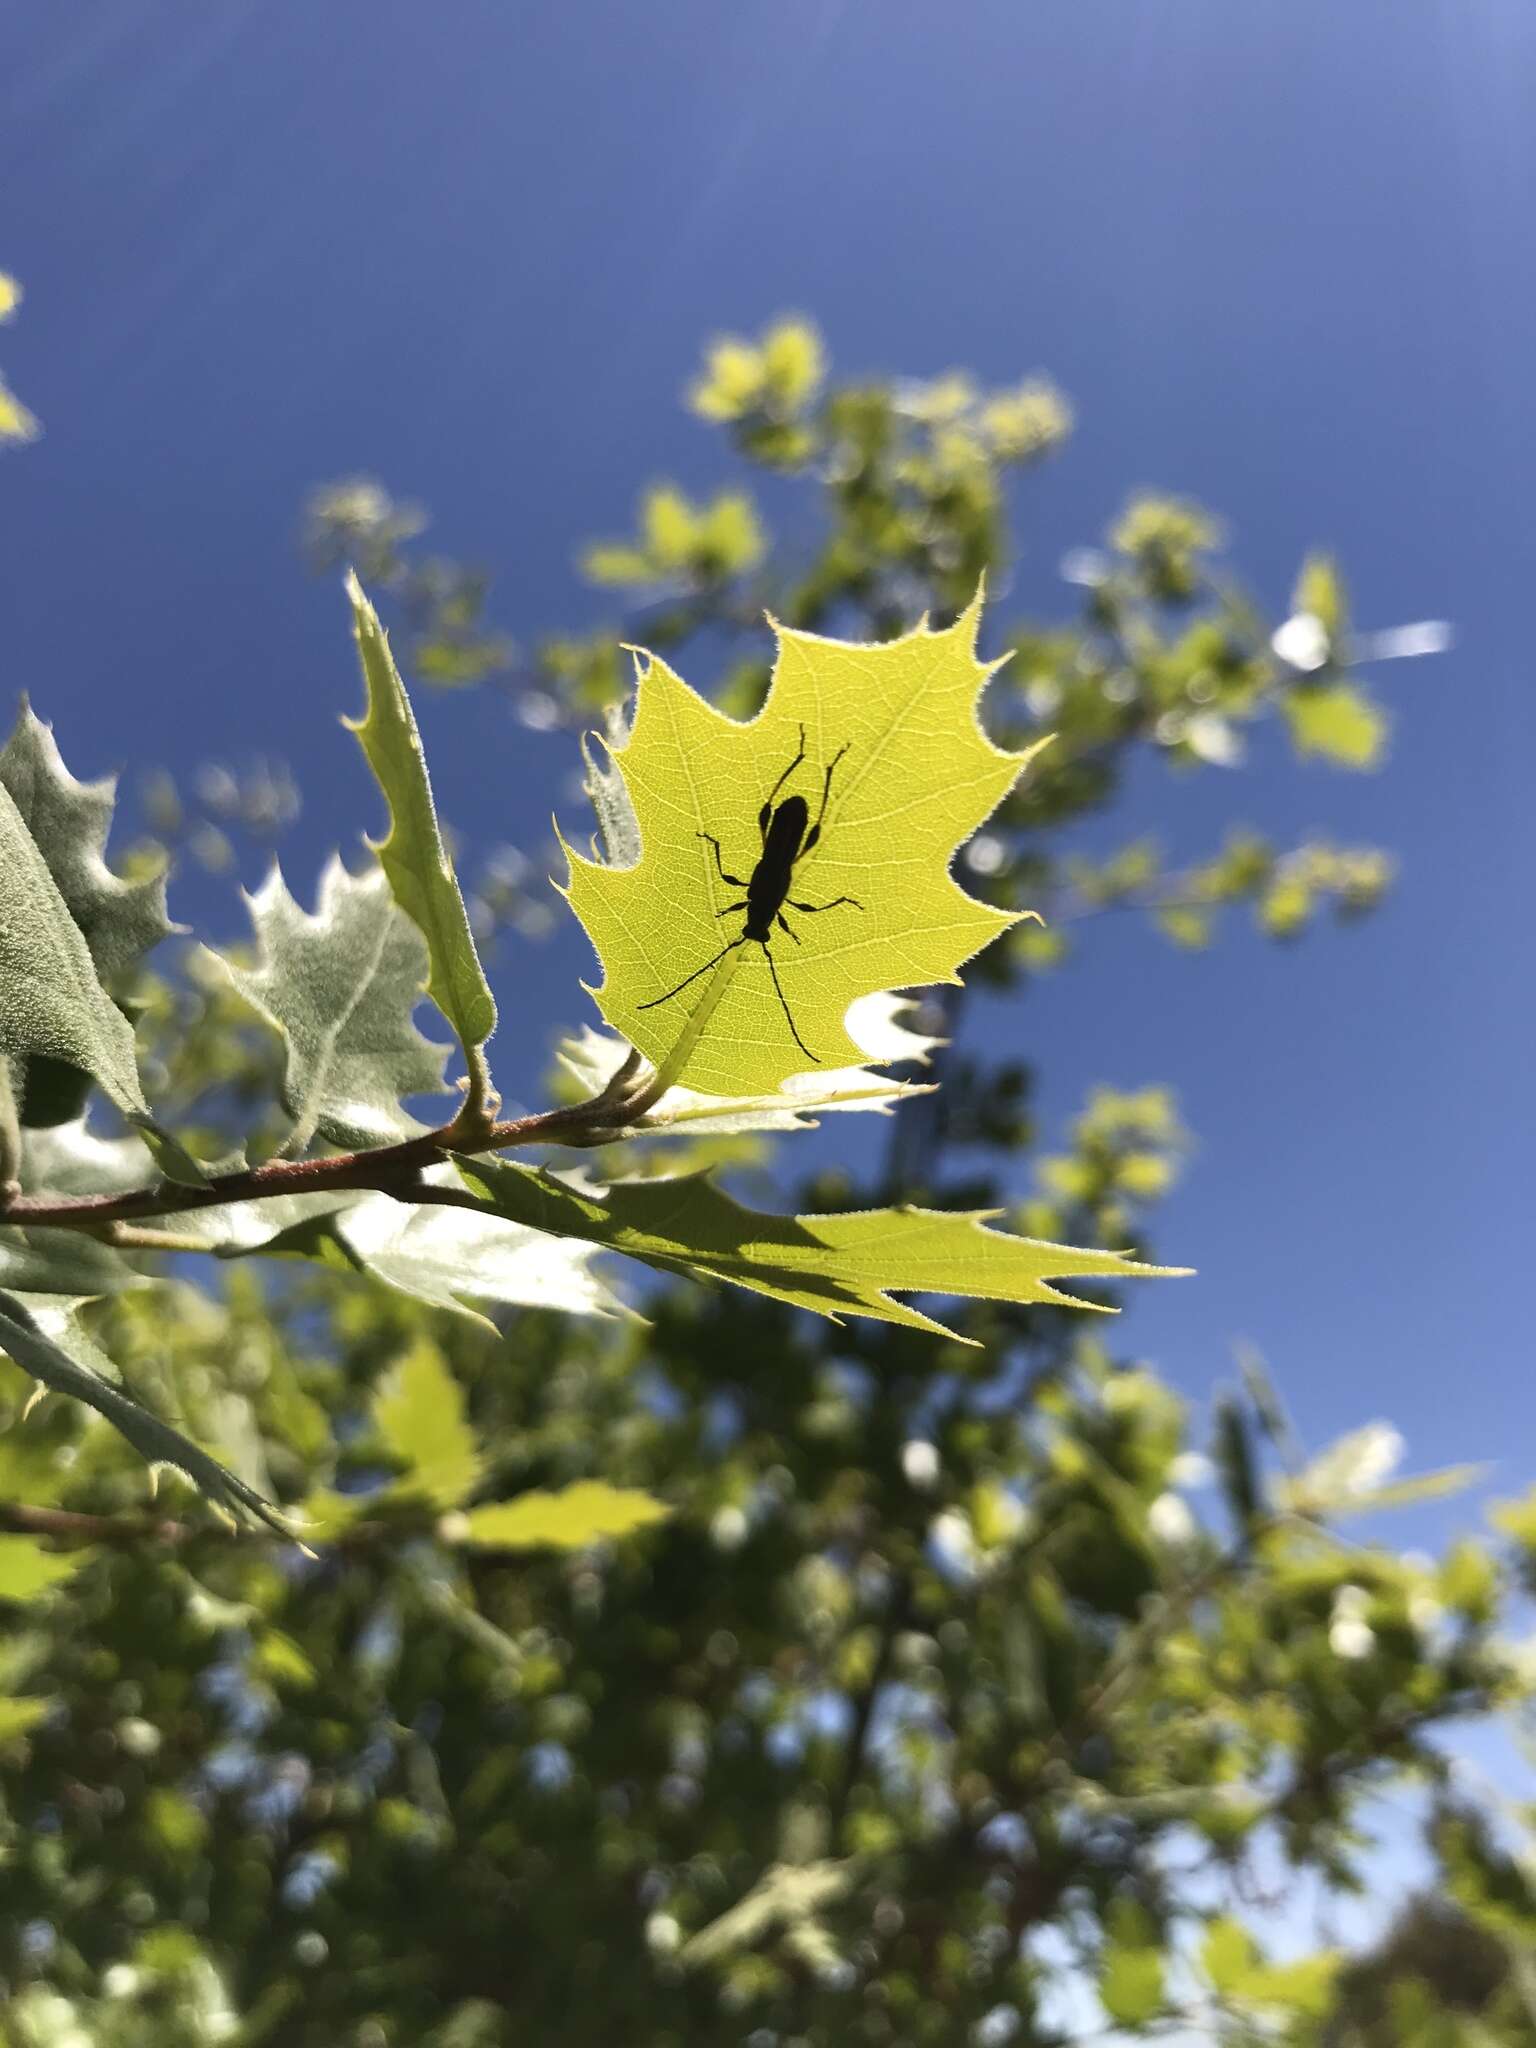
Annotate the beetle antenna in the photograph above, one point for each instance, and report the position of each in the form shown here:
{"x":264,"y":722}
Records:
{"x":671,"y":992}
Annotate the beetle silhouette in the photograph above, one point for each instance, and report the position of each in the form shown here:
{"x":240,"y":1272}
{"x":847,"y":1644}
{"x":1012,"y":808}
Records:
{"x":785,"y":841}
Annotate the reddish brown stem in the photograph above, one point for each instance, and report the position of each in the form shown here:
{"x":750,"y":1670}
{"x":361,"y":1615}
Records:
{"x":390,"y":1169}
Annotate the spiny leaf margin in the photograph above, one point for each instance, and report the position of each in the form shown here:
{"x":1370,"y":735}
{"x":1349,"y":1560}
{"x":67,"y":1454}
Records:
{"x":848,"y":1264}
{"x":920,"y":778}
{"x":412,"y":852}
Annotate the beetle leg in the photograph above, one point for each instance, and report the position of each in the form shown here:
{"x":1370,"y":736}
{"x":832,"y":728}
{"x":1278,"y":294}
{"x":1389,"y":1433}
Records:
{"x":786,"y":926}
{"x":783,"y":1004}
{"x":814,"y":834}
{"x":735,"y":880}
{"x":767,"y":811}
{"x":836,"y":900}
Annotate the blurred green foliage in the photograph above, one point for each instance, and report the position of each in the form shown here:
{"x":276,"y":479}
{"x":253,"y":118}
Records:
{"x":964,"y":1695}
{"x":16,"y":423}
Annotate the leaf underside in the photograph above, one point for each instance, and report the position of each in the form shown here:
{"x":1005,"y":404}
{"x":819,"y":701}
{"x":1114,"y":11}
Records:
{"x":592,"y":1058}
{"x":340,"y":986}
{"x":69,"y":822}
{"x":52,"y":1004}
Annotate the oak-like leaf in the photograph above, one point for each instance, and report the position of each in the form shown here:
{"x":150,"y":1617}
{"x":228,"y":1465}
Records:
{"x":65,"y":1262}
{"x":450,"y":1258}
{"x":52,"y":1002}
{"x":586,"y":1512}
{"x":27,"y":1569}
{"x":420,"y":1414}
{"x":412,"y":853}
{"x":593,"y":1058}
{"x":851,"y":1264}
{"x":69,"y":821}
{"x":120,"y":920}
{"x":340,"y":986}
{"x":912,"y":777}
{"x":70,"y":1159}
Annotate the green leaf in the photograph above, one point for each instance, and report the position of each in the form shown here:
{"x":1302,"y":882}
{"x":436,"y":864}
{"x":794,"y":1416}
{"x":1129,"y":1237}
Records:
{"x":64,"y":1262}
{"x":786,"y":1896}
{"x":1236,"y":1463}
{"x":19,"y":1717}
{"x":826,"y":1263}
{"x":1348,"y":1478}
{"x":66,"y":1158}
{"x":587,"y":1512}
{"x":282,"y":1662}
{"x":69,"y":822}
{"x":918,"y":777}
{"x":446,"y":1257}
{"x":1468,"y":1581}
{"x":1228,"y":1955}
{"x":420,"y":1415}
{"x":69,"y":1159}
{"x":340,"y":987}
{"x":1355,"y":1464}
{"x":120,"y":920}
{"x":451,"y":1257}
{"x":412,"y":854}
{"x":594,"y":1057}
{"x":1304,"y":1987}
{"x":27,"y":1569}
{"x":51,"y":1002}
{"x":1410,"y":1493}
{"x":1319,"y":593}
{"x":1131,"y":1984}
{"x":1239,"y":1975}
{"x":1516,"y":1519}
{"x":1337,"y":721}
{"x":29,"y":1346}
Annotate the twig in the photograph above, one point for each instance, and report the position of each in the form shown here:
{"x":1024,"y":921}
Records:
{"x":63,"y":1525}
{"x":389,"y":1169}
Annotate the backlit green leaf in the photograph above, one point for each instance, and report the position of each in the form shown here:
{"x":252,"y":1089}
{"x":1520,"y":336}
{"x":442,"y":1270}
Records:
{"x":27,"y":1569}
{"x":1337,"y":721}
{"x":1131,"y":1984}
{"x":1304,"y":1987}
{"x":917,"y":778}
{"x":420,"y":1415}
{"x":1228,"y":1955}
{"x":833,"y":1264}
{"x":412,"y":853}
{"x":1319,"y":593}
{"x":341,"y":986}
{"x":594,"y":1057}
{"x":19,"y":1716}
{"x":587,"y":1512}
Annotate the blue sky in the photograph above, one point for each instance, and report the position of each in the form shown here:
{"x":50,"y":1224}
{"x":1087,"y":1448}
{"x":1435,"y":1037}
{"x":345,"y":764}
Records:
{"x":1280,"y":257}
